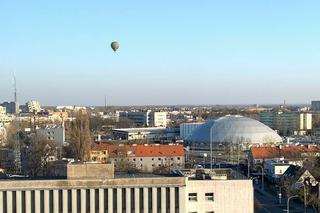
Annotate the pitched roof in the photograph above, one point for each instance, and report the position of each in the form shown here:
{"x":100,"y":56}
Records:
{"x":279,"y":152}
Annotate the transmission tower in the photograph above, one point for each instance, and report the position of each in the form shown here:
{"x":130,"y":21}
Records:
{"x":17,"y":153}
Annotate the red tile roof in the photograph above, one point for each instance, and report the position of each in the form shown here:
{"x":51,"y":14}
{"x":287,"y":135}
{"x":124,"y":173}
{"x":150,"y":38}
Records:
{"x":278,"y":152}
{"x":141,"y":150}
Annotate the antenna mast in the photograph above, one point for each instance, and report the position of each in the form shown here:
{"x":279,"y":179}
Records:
{"x":17,"y":153}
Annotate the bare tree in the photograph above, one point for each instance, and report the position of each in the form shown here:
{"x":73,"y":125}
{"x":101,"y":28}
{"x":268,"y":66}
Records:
{"x":38,"y":155}
{"x":80,"y":137}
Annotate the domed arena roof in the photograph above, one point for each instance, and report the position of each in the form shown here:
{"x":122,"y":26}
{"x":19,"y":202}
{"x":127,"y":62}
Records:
{"x":234,"y":129}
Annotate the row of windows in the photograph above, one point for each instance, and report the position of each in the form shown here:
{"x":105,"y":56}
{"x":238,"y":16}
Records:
{"x":208,"y":196}
{"x":85,"y":197}
{"x":141,"y":159}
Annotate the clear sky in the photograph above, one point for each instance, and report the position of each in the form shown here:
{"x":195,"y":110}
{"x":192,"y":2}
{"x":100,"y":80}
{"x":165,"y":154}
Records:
{"x":171,"y":52}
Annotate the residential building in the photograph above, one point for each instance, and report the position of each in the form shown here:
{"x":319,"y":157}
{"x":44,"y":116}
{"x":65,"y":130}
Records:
{"x":11,"y":107}
{"x":143,"y":157}
{"x":158,"y":119}
{"x":2,"y":110}
{"x":275,"y":168}
{"x":292,"y":154}
{"x":287,"y":123}
{"x":33,"y":106}
{"x":94,"y":188}
{"x":54,"y":133}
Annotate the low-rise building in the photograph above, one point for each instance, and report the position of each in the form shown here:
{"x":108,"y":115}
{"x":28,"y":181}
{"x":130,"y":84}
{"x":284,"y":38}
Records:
{"x":275,"y":168}
{"x":293,"y":154}
{"x":145,"y":133}
{"x":102,"y":192}
{"x":143,"y":157}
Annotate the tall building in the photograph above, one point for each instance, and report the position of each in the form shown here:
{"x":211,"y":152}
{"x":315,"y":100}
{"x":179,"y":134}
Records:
{"x":33,"y":106}
{"x":11,"y":107}
{"x":315,"y":105}
{"x":54,"y":133}
{"x":287,"y":123}
{"x":147,"y":118}
{"x":91,"y":188}
{"x":158,"y":119}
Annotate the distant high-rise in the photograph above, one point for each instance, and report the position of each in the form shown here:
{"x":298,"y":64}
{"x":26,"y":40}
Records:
{"x":11,"y":107}
{"x":315,"y":105}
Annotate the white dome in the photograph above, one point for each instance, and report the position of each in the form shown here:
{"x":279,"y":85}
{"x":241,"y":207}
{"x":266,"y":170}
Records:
{"x":234,"y":129}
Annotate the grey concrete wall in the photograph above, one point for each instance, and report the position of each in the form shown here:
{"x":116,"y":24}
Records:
{"x":80,"y":171}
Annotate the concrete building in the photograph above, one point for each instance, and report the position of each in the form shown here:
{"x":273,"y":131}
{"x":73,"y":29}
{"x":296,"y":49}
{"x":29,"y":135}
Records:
{"x":2,"y":110}
{"x":315,"y":105}
{"x":158,"y":119}
{"x":147,"y":118}
{"x":54,"y":133}
{"x":33,"y":106}
{"x":142,"y":157}
{"x":287,"y":123}
{"x":137,"y":193}
{"x":145,"y":133}
{"x":11,"y":107}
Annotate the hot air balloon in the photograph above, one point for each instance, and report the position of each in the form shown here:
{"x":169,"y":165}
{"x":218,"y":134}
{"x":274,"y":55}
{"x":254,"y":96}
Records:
{"x":115,"y":45}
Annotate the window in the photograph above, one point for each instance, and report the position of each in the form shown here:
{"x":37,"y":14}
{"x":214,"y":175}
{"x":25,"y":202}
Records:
{"x":209,"y":196}
{"x":193,"y":197}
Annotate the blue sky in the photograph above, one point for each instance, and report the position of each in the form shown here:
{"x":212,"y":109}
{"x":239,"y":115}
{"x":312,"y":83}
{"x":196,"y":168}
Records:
{"x":171,"y":52}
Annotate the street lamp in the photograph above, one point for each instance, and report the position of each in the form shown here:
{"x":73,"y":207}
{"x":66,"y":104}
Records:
{"x":280,"y":195}
{"x":204,"y":160}
{"x":262,"y":175}
{"x":304,"y":195}
{"x":288,"y":202}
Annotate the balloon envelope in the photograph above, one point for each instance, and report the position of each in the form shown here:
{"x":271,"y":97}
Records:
{"x":115,"y":45}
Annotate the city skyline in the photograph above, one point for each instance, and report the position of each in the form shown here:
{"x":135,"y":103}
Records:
{"x":170,"y":53}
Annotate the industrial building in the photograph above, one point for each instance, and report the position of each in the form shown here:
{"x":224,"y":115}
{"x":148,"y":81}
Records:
{"x":94,"y":188}
{"x":145,"y":133}
{"x":287,"y":123}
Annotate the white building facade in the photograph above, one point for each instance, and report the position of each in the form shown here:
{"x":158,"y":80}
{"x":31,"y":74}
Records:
{"x":126,"y":195}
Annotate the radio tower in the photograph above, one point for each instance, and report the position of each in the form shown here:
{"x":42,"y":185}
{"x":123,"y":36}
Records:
{"x":17,"y":154}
